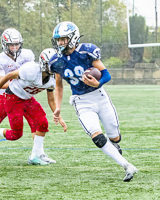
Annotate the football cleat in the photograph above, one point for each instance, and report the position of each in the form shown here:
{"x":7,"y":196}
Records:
{"x":130,"y":170}
{"x":36,"y":161}
{"x":45,"y":158}
{"x":117,"y":147}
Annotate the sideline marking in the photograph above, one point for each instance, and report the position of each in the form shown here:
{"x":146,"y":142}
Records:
{"x":84,"y":149}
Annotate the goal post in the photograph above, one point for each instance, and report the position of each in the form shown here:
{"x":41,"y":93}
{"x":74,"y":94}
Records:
{"x":135,"y":8}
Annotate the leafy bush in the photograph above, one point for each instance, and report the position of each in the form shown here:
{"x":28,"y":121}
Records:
{"x":113,"y":62}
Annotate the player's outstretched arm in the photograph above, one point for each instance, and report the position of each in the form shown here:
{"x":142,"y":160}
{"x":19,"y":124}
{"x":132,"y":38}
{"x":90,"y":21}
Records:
{"x":57,"y":118}
{"x":5,"y":85}
{"x":63,"y":124}
{"x":9,"y":76}
{"x":2,"y":74}
{"x":58,"y":91}
{"x":58,"y":97}
{"x":52,"y":104}
{"x":51,"y":100}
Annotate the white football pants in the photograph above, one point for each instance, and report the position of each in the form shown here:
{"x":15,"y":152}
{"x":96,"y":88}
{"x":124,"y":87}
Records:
{"x":95,"y":106}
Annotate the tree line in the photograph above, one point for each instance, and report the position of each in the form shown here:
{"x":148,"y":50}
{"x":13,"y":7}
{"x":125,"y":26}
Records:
{"x":101,"y":22}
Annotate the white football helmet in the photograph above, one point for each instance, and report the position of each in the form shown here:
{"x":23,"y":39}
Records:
{"x":65,"y":29}
{"x":11,"y":36}
{"x":44,"y":58}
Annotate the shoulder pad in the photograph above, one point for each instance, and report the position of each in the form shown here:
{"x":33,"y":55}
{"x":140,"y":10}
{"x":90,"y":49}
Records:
{"x":91,"y":50}
{"x":28,"y":55}
{"x":29,"y":71}
{"x":3,"y":59}
{"x":53,"y":59}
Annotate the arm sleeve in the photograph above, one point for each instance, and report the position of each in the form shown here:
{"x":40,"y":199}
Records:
{"x":50,"y":90}
{"x":105,"y":77}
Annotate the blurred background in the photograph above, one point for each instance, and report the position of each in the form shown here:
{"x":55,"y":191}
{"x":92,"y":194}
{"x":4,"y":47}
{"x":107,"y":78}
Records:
{"x":102,"y":22}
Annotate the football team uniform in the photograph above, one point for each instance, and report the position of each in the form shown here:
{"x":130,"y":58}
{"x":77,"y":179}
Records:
{"x":7,"y":65}
{"x":19,"y":99}
{"x":91,"y":104}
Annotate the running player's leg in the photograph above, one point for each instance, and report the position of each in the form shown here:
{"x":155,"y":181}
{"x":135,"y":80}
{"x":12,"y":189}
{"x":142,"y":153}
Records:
{"x":89,"y":120}
{"x":90,"y":123}
{"x":31,"y":123}
{"x":14,"y":109}
{"x":109,"y":118}
{"x":35,"y":111}
{"x":3,"y":112}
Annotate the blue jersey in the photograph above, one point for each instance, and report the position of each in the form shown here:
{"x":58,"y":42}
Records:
{"x":72,"y":67}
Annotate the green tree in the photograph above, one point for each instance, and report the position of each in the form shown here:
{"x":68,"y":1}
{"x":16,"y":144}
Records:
{"x":5,"y":18}
{"x":101,"y":22}
{"x":138,"y":34}
{"x":138,"y":29}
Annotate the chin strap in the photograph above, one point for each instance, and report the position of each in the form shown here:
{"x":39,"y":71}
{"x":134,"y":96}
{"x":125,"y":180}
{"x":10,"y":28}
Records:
{"x":80,"y":36}
{"x":63,"y":50}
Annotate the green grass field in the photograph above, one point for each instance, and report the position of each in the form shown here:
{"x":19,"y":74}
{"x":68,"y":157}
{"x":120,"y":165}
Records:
{"x":82,"y":171}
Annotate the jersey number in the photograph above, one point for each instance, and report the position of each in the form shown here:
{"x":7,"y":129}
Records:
{"x":78,"y":70}
{"x":33,"y":90}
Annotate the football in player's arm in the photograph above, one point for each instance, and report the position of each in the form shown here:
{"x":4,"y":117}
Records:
{"x":89,"y":98}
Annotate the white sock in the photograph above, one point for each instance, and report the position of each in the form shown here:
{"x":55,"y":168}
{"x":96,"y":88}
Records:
{"x":38,"y":144}
{"x":111,"y":151}
{"x":41,"y":151}
{"x":1,"y":132}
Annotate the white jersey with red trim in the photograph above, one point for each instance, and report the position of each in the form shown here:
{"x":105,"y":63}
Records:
{"x":30,"y":81}
{"x":7,"y":64}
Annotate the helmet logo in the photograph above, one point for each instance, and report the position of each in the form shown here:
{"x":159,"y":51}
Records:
{"x":5,"y":37}
{"x":42,"y":56}
{"x":70,"y":27}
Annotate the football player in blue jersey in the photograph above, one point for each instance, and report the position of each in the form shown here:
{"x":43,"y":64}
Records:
{"x":89,"y":98}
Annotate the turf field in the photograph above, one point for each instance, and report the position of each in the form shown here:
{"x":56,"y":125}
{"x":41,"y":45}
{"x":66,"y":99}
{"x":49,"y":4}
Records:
{"x":82,"y":171}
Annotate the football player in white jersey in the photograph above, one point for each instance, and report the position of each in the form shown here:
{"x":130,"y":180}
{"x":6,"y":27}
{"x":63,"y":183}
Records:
{"x":12,"y":58}
{"x":30,"y":79}
{"x":89,"y":98}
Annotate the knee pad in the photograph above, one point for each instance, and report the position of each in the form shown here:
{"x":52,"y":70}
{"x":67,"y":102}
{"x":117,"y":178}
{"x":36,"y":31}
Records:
{"x":117,"y":140}
{"x":100,"y":140}
{"x":42,"y":124}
